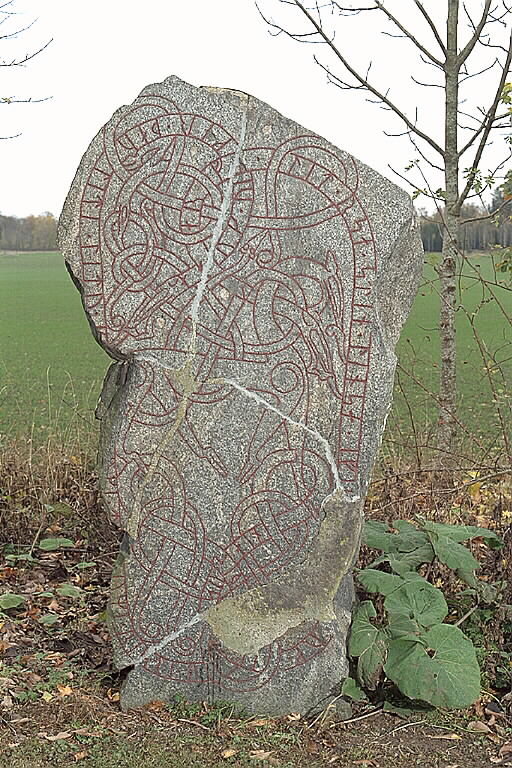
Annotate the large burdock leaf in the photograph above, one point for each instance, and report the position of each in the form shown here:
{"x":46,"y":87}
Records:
{"x":400,"y":625}
{"x":464,"y":532}
{"x":378,"y":581}
{"x":404,"y":551}
{"x":440,"y":667}
{"x":351,"y":689}
{"x":417,"y":600}
{"x":378,"y":536}
{"x":368,"y":643}
{"x":454,"y":555}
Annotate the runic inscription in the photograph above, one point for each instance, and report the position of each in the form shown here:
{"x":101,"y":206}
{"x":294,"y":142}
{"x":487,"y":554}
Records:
{"x":243,"y":273}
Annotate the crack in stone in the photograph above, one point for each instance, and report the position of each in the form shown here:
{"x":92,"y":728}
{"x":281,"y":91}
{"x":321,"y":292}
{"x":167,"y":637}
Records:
{"x":219,"y":226}
{"x":163,"y":643}
{"x":313,"y":432}
{"x":206,"y":615}
{"x":184,"y":374}
{"x":265,"y":404}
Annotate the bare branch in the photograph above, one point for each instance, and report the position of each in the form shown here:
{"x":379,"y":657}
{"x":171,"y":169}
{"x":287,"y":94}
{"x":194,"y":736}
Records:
{"x":487,"y":123}
{"x":17,"y":31}
{"x":430,"y":64}
{"x":354,"y":10}
{"x":27,"y":57}
{"x":426,"y":85}
{"x":487,"y":216}
{"x":299,"y":37}
{"x":364,"y":83}
{"x":468,"y":75}
{"x":467,"y":114}
{"x":406,"y":33}
{"x":424,"y":157}
{"x":431,"y":25}
{"x":427,"y":192}
{"x":481,"y":127}
{"x":494,"y":18}
{"x":463,"y":55}
{"x":9,"y":100}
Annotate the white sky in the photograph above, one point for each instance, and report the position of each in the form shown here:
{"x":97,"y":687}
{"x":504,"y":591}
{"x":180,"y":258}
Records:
{"x":105,"y":51}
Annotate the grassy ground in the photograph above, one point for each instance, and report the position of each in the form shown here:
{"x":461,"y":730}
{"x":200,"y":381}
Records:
{"x":418,"y":349}
{"x":51,"y":368}
{"x":59,"y":697}
{"x":95,"y":735}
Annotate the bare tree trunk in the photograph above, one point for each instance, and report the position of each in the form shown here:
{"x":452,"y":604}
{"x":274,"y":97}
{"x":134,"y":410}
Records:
{"x":448,"y":380}
{"x":447,"y":58}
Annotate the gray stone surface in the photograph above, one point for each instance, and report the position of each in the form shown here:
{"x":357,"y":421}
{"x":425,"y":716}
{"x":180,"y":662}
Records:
{"x":250,"y":279}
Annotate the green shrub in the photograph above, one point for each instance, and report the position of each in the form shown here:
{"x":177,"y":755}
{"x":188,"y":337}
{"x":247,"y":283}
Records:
{"x":428,"y":660}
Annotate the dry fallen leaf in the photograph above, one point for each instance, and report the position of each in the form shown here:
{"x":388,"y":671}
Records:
{"x":59,"y":736}
{"x":47,"y":696}
{"x":112,"y":696}
{"x":260,"y":754}
{"x":226,"y":753}
{"x":6,"y":702}
{"x":260,"y":721}
{"x":154,"y":706}
{"x":32,"y":679}
{"x":479,"y":726}
{"x":79,"y":756}
{"x":4,"y":645}
{"x":65,"y":690}
{"x":506,"y":748}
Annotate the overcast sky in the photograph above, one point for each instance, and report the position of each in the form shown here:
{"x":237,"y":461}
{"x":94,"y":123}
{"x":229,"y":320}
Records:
{"x":105,"y":51}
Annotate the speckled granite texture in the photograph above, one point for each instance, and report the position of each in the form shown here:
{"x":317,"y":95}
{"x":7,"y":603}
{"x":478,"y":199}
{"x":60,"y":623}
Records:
{"x":250,"y":280}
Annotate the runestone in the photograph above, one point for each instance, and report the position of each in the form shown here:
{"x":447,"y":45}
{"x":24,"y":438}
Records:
{"x":249,"y":280}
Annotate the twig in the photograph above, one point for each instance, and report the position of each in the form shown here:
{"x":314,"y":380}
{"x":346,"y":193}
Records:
{"x":376,"y":711}
{"x":398,"y":728}
{"x":405,"y":725}
{"x":322,"y":716}
{"x":466,"y":615}
{"x":193,"y":722}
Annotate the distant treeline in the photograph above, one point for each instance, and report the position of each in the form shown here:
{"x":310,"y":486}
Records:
{"x":39,"y":233}
{"x":33,"y":233}
{"x":479,"y":235}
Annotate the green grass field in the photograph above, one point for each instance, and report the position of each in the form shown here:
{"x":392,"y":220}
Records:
{"x":418,"y":350}
{"x":51,"y":368}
